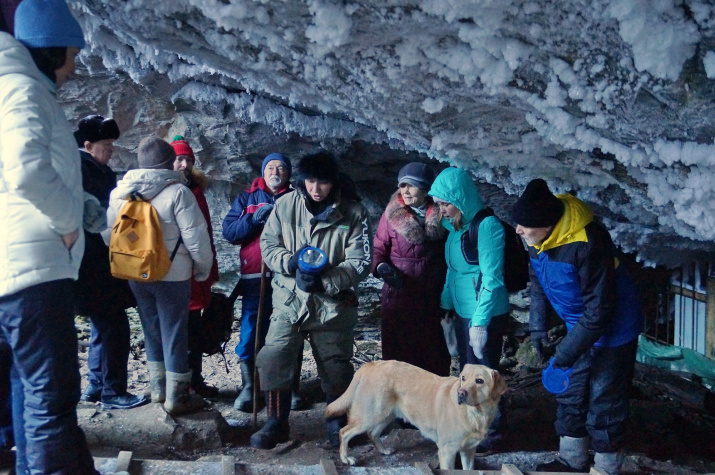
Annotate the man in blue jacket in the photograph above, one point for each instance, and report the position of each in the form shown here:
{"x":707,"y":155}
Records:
{"x":574,"y":267}
{"x":243,"y":225}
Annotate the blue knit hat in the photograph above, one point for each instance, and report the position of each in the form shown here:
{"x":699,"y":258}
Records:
{"x":47,"y":23}
{"x":280,"y":158}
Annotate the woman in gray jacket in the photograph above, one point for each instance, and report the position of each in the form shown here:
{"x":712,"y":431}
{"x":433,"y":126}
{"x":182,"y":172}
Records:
{"x":164,"y":305}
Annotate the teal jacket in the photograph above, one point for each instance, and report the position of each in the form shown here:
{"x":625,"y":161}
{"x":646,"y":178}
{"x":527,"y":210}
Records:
{"x":477,"y":291}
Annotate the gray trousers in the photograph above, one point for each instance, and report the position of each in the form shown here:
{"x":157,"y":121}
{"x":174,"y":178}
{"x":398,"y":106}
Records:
{"x":332,"y":345}
{"x":164,"y":311}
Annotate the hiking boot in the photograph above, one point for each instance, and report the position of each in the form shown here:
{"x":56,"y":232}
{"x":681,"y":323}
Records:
{"x":179,"y":397}
{"x":205,"y":390}
{"x":125,"y":401}
{"x":332,"y":427}
{"x":573,"y":456}
{"x":277,"y":428}
{"x":558,"y":465}
{"x":334,"y":424}
{"x":609,"y":462}
{"x":91,"y":393}
{"x":244,"y":401}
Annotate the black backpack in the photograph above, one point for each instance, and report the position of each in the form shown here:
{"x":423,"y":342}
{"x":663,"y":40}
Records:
{"x":217,"y":323}
{"x":516,"y":257}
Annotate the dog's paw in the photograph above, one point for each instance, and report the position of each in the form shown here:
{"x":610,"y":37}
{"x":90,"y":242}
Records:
{"x":349,"y":460}
{"x":386,"y":451}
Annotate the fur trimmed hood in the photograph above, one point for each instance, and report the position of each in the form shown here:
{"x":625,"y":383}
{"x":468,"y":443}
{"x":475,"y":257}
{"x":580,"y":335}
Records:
{"x":199,"y":178}
{"x":405,"y":223}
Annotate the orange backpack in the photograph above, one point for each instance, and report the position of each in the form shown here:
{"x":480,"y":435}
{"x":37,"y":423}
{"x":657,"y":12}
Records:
{"x":136,"y":247}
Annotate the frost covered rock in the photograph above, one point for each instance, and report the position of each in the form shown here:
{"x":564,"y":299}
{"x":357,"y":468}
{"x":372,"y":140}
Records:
{"x":611,"y":100}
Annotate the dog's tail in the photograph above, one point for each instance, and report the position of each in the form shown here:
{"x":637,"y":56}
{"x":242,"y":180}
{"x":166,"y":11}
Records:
{"x":342,"y":404}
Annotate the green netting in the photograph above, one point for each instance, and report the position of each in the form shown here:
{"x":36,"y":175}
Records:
{"x":676,"y":358}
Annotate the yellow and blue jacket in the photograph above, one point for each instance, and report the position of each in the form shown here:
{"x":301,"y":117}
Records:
{"x":576,"y":270}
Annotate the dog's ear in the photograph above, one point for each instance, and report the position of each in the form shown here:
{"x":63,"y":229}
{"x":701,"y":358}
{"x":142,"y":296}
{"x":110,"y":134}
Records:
{"x":498,"y":385}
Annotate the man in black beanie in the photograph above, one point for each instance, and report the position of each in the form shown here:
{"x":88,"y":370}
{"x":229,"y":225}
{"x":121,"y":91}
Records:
{"x":575,"y":268}
{"x":319,"y":301}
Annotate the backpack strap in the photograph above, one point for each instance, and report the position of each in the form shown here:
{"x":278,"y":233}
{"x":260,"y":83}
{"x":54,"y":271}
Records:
{"x":474,"y":225}
{"x":176,"y":248}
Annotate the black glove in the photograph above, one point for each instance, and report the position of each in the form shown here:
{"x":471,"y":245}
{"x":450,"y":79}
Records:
{"x":308,"y":282}
{"x":539,"y":339}
{"x":261,"y":214}
{"x":293,"y":262}
{"x":389,"y":274}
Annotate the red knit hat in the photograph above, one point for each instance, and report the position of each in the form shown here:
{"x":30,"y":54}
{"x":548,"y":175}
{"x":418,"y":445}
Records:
{"x":181,"y":146}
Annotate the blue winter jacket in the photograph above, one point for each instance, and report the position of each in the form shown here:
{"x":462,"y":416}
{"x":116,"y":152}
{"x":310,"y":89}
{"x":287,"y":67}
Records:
{"x":473,"y":291}
{"x":576,"y":270}
{"x":239,"y":227}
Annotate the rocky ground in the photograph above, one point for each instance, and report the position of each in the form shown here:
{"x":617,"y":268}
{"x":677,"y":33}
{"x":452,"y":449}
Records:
{"x":665,"y":434}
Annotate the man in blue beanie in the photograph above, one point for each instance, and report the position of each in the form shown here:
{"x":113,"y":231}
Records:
{"x":243,"y":225}
{"x":41,"y":208}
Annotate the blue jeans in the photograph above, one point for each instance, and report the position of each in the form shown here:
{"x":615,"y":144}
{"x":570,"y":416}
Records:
{"x":109,"y":352}
{"x":6,"y":437}
{"x":38,"y":323}
{"x":164,"y":311}
{"x":596,"y":402}
{"x":251,"y":291}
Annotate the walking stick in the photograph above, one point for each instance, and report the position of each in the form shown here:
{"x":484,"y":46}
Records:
{"x":258,"y":343}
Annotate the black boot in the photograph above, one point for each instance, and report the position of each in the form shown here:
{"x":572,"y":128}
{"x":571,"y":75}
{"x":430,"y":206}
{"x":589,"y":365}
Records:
{"x":244,"y":401}
{"x":334,"y":424}
{"x":277,"y":428}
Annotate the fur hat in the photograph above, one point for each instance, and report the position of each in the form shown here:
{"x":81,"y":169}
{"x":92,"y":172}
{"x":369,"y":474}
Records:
{"x":156,"y":154}
{"x":94,"y":128}
{"x":416,"y":174}
{"x":320,"y":166}
{"x":280,"y":158}
{"x":182,"y":147}
{"x":537,"y":207}
{"x":47,"y":23}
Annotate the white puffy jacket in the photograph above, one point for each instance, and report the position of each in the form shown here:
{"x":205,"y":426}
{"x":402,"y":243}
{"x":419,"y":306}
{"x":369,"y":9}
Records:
{"x":41,"y":195}
{"x":179,"y":214}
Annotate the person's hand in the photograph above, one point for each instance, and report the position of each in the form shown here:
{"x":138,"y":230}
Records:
{"x":539,"y":339}
{"x":389,"y":274}
{"x":261,"y":214}
{"x":478,"y":340}
{"x":94,"y":218}
{"x":293,"y":262}
{"x":308,"y":282}
{"x":70,"y":238}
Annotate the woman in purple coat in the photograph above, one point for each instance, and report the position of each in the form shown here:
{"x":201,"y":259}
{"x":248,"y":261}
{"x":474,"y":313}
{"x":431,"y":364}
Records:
{"x":409,"y":256}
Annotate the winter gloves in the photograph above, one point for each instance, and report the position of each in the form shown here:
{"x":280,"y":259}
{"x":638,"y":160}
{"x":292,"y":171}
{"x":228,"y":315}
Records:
{"x":539,"y":339}
{"x":261,"y":214}
{"x":308,"y":282}
{"x":389,"y":274}
{"x":478,"y":340}
{"x":94,"y":218}
{"x":293,"y":262}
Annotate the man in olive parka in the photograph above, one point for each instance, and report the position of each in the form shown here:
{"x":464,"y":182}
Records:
{"x":321,"y":213}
